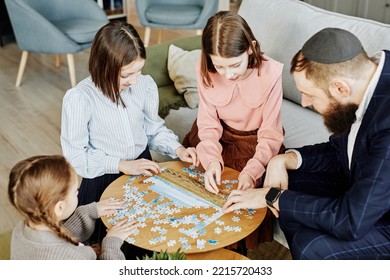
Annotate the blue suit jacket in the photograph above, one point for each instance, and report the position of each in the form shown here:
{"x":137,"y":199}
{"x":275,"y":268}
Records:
{"x":366,"y":203}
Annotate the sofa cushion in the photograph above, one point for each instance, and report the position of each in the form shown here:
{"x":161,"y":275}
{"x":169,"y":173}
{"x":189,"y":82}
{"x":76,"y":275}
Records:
{"x":157,"y":58}
{"x":181,"y":68}
{"x":283,"y":26}
{"x":156,"y":66}
{"x":302,"y":126}
{"x":169,"y":99}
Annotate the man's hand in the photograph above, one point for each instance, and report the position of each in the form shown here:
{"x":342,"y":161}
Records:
{"x":276,"y":174}
{"x":251,"y":198}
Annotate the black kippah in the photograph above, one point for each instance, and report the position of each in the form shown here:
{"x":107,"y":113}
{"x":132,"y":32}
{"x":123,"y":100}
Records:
{"x":332,"y":45}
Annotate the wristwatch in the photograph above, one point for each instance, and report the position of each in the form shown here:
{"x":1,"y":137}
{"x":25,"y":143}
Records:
{"x":272,"y":195}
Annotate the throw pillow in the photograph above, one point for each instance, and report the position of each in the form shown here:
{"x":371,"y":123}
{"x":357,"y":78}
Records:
{"x":181,"y":69}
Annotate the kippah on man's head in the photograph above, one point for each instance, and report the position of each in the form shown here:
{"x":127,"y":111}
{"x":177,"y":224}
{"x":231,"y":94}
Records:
{"x":332,"y":45}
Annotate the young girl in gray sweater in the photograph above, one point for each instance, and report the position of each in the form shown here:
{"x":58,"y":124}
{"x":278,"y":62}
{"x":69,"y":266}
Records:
{"x":44,"y":190}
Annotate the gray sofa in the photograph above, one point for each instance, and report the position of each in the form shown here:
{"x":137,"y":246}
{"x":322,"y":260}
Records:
{"x":282,"y":27}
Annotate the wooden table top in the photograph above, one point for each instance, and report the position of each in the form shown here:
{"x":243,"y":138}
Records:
{"x":166,"y":226}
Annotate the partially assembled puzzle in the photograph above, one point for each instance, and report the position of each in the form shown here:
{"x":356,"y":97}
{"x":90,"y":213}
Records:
{"x":184,"y":183}
{"x":176,"y":210}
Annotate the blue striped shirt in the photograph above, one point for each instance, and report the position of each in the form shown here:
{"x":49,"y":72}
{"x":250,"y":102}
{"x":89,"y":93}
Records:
{"x":96,"y":133}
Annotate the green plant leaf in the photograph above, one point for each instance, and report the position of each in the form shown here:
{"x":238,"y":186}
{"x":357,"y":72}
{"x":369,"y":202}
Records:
{"x":165,"y":255}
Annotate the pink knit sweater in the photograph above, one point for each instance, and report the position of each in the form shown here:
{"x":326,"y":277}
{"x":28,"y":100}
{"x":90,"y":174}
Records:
{"x":248,"y":104}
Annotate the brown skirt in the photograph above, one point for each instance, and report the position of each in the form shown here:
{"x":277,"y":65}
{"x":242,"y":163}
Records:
{"x":238,"y":148}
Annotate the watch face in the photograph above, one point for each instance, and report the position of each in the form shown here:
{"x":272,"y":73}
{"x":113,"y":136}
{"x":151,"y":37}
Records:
{"x":272,"y":194}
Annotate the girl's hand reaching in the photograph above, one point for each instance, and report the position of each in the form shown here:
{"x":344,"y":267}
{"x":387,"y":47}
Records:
{"x":212,"y":177}
{"x":108,"y":206}
{"x":245,"y":182}
{"x":187,"y":155}
{"x":123,"y":229}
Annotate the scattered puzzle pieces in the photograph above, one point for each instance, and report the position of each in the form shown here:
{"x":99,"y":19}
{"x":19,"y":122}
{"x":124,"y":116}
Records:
{"x":160,"y":213}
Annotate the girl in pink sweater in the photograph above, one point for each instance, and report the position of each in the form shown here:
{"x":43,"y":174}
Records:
{"x":240,"y":90}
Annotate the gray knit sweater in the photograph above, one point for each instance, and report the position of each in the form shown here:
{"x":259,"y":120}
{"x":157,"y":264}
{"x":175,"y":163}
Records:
{"x":30,"y":244}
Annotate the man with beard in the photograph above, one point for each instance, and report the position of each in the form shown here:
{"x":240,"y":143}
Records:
{"x":333,"y":198}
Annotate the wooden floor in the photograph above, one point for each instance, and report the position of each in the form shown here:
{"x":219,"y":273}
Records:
{"x":30,"y":116}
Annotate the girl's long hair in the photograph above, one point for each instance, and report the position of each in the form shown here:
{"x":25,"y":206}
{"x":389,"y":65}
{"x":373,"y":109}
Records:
{"x":36,"y":184}
{"x":228,"y":35}
{"x":115,"y":45}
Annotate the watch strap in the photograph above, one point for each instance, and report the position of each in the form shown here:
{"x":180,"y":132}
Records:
{"x":272,"y":195}
{"x":270,"y":203}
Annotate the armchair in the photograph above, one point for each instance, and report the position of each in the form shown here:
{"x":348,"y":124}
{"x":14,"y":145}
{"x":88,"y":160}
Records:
{"x":54,"y":27}
{"x":174,"y":14}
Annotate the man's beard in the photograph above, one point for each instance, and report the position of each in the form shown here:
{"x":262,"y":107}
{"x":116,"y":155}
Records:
{"x":339,"y":117}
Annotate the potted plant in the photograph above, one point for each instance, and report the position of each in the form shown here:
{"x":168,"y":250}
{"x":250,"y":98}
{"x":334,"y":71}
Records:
{"x":165,"y":255}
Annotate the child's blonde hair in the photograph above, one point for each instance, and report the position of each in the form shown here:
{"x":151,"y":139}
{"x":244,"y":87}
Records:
{"x":36,"y":184}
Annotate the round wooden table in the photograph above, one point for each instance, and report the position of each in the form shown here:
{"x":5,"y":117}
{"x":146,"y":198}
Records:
{"x":166,"y":226}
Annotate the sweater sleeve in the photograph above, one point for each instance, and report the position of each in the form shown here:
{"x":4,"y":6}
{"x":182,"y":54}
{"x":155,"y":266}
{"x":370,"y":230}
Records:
{"x":111,"y":249}
{"x":82,"y":222}
{"x":269,"y":135}
{"x":209,"y":131}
